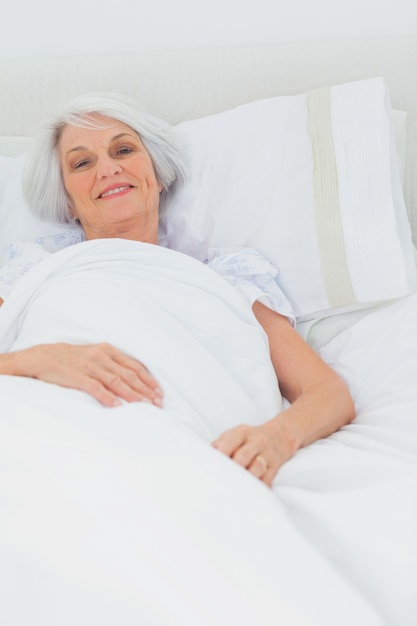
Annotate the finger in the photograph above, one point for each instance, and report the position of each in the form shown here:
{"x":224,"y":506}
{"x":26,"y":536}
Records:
{"x":140,"y":370}
{"x":101,"y":393}
{"x":269,"y":475}
{"x":123,"y":375}
{"x":259,"y":466}
{"x":88,"y":385}
{"x":246,"y":454}
{"x":117,"y":385}
{"x":230,"y":441}
{"x":135,"y":389}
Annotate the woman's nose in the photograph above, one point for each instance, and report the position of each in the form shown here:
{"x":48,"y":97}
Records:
{"x":107,"y":167}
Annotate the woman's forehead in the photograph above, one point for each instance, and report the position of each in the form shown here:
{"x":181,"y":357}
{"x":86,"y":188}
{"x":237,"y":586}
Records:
{"x":97,"y":129}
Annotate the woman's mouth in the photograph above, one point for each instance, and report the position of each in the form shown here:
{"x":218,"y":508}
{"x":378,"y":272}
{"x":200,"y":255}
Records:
{"x":114,"y":190}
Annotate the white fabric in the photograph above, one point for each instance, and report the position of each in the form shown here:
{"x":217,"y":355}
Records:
{"x":79,"y":282}
{"x":399,"y":121}
{"x":253,"y":275}
{"x":252,"y":181}
{"x":180,"y":85}
{"x":17,"y":146}
{"x":21,"y":256}
{"x":129,"y":515}
{"x":17,"y":223}
{"x":353,"y":495}
{"x":246,"y":269}
{"x":14,"y":146}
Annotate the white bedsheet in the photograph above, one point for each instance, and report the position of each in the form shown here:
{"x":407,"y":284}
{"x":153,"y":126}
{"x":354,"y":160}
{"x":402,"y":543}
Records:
{"x":128,"y":515}
{"x":354,"y":494}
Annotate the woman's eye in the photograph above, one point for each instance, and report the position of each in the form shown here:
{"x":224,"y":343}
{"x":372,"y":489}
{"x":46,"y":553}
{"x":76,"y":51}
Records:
{"x":80,"y":164}
{"x":124,"y":150}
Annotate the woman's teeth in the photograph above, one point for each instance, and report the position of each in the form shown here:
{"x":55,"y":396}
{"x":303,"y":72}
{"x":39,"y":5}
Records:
{"x":113,"y":191}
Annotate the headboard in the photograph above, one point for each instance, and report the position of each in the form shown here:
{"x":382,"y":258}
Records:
{"x":183,"y":84}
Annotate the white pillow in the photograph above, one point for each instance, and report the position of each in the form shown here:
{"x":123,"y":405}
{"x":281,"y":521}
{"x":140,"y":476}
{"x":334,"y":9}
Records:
{"x":17,"y":223}
{"x":250,"y":183}
{"x":312,"y":181}
{"x":399,"y":121}
{"x":14,"y":146}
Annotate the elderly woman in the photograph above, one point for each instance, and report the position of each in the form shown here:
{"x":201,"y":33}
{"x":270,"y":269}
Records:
{"x":108,"y":167}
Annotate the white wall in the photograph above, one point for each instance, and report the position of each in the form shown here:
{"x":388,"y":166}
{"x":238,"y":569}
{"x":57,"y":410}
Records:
{"x":39,"y":27}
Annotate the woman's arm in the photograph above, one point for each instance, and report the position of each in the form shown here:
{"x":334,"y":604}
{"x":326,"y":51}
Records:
{"x":320,"y":403}
{"x":99,"y":369}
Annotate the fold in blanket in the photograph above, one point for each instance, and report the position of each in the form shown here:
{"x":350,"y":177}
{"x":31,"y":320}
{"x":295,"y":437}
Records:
{"x":130,"y":514}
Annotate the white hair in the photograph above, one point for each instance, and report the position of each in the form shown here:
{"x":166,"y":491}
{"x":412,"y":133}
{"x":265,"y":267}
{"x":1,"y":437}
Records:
{"x":42,"y":179}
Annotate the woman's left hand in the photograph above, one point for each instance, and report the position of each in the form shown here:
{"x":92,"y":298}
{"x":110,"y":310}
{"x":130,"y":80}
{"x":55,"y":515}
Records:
{"x":320,"y":403}
{"x":260,"y":449}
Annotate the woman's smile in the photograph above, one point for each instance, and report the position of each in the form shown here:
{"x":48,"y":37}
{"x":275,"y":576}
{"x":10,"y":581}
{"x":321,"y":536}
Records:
{"x":115,"y":190}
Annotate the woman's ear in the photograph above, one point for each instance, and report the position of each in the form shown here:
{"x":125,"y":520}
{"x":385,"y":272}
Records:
{"x":72,"y":212}
{"x":73,"y":218}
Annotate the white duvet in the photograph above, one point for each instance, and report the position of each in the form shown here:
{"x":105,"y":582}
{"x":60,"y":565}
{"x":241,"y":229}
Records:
{"x":129,"y":516}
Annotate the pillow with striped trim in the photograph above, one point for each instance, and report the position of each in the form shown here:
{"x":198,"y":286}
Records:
{"x":311,"y":181}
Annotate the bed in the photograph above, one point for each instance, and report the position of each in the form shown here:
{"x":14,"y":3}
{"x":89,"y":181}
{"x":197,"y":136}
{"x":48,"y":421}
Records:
{"x":306,"y":151}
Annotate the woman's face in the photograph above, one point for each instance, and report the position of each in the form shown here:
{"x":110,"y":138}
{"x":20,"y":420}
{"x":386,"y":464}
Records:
{"x":110,"y":181}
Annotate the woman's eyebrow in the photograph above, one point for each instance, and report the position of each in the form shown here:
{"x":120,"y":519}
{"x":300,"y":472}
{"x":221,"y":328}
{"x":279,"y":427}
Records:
{"x":76,"y":149}
{"x":115,"y":138}
{"x":121,"y":135}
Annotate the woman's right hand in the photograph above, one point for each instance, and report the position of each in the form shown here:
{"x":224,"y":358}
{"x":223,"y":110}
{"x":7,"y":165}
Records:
{"x":100,"y":370}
